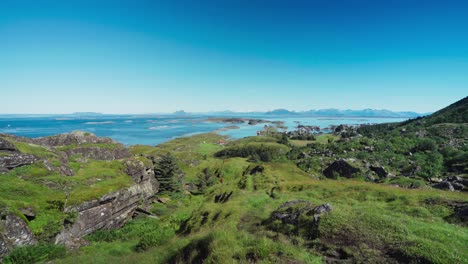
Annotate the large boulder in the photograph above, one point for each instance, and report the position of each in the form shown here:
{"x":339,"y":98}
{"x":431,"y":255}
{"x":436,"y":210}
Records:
{"x":340,"y":168}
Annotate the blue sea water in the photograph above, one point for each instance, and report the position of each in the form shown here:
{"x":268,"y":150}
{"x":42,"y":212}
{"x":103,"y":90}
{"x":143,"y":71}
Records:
{"x":156,"y":129}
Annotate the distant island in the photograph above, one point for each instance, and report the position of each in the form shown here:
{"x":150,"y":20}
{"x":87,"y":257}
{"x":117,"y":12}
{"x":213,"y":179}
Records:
{"x":331,"y":112}
{"x":348,"y":113}
{"x":86,"y":114}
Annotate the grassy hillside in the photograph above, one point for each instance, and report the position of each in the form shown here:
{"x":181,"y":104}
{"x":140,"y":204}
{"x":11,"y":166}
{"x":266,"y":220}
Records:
{"x":369,"y":222}
{"x":270,"y":200}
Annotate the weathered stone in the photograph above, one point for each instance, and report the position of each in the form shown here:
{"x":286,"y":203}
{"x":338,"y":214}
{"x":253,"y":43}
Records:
{"x":111,"y":211}
{"x":7,"y":146}
{"x":340,"y":168}
{"x":16,"y":160}
{"x":15,"y":233}
{"x":137,"y":170}
{"x":435,"y":180}
{"x":458,"y":186}
{"x":453,"y":178}
{"x":302,"y":215}
{"x":290,"y":212}
{"x":445,"y":185}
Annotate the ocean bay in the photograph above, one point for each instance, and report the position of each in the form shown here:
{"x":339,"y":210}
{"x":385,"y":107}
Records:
{"x":157,"y":129}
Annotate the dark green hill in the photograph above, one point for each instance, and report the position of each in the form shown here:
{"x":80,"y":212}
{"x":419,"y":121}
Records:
{"x":454,"y":113}
{"x":452,"y":117}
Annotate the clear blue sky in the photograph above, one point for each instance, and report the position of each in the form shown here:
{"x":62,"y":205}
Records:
{"x":140,"y":56}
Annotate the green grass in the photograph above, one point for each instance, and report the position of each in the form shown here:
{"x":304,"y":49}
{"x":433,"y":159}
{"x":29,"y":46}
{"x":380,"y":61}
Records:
{"x":300,"y":143}
{"x":322,"y":139}
{"x":33,"y":149}
{"x":89,"y":145}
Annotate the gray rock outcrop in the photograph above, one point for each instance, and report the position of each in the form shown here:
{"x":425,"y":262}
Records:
{"x":112,"y":210}
{"x":16,"y":160}
{"x":302,"y":215}
{"x":340,"y":168}
{"x":444,"y":186}
{"x":16,"y":233}
{"x":73,"y":138}
{"x":7,"y":146}
{"x":290,"y":212}
{"x":452,"y":183}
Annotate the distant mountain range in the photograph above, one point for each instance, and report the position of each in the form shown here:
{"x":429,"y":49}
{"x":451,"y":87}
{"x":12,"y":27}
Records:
{"x":277,"y":112}
{"x":325,"y":113}
{"x":348,"y":113}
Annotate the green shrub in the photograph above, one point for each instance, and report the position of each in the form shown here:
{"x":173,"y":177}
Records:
{"x":256,"y":151}
{"x":34,"y":254}
{"x":154,"y":238}
{"x":425,"y":144}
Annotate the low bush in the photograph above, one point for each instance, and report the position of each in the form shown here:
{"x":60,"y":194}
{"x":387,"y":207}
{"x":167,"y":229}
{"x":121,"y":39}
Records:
{"x":34,"y":254}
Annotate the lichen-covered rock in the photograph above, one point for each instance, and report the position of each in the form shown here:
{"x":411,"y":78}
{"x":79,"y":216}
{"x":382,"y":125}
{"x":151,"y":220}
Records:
{"x":16,"y":160}
{"x":110,"y":211}
{"x":340,"y":168}
{"x":138,"y":171}
{"x":15,"y":232}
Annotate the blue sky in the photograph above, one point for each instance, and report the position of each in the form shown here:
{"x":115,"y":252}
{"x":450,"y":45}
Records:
{"x":116,"y":56}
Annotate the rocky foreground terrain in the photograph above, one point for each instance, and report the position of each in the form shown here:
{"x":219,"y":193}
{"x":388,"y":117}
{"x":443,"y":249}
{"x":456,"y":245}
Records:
{"x":390,"y":193}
